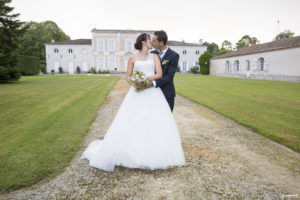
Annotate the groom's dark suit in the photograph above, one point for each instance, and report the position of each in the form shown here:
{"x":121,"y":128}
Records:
{"x":169,"y":64}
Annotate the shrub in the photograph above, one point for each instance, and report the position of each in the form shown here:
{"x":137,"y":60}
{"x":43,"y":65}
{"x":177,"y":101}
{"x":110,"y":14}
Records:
{"x":43,"y":67}
{"x":28,"y":65}
{"x":194,"y":69}
{"x":60,"y":69}
{"x":204,"y":63}
{"x":78,"y":69}
{"x":8,"y":74}
{"x":104,"y":71}
{"x":93,"y":70}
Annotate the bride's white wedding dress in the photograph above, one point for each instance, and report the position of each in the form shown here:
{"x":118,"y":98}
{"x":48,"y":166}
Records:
{"x":143,"y":133}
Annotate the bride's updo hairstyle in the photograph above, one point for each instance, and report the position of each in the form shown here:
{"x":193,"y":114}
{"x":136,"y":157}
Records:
{"x":138,"y":44}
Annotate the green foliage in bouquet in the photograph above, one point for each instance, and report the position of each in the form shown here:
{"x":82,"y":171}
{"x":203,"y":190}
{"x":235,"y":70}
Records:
{"x":139,"y":78}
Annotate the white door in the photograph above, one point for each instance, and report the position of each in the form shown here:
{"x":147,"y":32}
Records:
{"x":56,"y":66}
{"x":71,"y":68}
{"x":184,"y":67}
{"x":84,"y":67}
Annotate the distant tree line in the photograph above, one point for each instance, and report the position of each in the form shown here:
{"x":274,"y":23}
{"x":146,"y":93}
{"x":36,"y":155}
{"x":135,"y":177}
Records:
{"x":20,"y":39}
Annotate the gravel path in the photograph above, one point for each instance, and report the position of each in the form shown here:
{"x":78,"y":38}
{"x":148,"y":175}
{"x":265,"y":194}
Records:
{"x":224,"y":161}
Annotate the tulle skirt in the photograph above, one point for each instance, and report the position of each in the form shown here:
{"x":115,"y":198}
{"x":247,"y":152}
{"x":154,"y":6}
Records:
{"x":142,"y":135}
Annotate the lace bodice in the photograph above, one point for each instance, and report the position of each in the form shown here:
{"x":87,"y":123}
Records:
{"x":147,"y":66}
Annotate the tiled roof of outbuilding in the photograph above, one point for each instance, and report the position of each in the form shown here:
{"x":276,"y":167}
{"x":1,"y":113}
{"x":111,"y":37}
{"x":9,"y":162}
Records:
{"x":269,"y":46}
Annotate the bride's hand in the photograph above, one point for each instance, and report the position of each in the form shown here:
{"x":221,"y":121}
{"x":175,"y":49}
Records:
{"x":137,"y":86}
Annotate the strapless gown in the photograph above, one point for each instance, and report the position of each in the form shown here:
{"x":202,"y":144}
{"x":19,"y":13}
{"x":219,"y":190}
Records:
{"x":143,"y":133}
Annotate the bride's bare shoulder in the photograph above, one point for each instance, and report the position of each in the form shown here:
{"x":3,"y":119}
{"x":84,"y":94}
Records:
{"x":133,"y":56}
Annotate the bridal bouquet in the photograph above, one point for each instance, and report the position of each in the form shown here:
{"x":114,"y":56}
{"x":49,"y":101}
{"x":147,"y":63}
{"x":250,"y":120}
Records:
{"x":139,"y":78}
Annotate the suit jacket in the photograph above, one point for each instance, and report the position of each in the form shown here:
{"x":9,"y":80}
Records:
{"x":169,"y":64}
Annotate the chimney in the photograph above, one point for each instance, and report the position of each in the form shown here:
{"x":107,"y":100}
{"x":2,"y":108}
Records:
{"x":52,"y":40}
{"x":253,"y":43}
{"x":200,"y":42}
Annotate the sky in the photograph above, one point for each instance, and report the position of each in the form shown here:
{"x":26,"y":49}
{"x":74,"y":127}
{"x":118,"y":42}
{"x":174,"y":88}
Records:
{"x":188,"y":20}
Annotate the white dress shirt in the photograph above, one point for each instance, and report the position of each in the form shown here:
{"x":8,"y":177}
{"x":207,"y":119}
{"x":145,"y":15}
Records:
{"x":161,"y":56}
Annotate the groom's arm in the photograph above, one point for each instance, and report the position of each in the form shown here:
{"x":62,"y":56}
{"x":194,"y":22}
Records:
{"x":170,"y":74}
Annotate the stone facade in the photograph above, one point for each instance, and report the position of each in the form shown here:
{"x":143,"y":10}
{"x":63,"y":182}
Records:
{"x":110,"y":50}
{"x":68,"y":56}
{"x":280,"y":62}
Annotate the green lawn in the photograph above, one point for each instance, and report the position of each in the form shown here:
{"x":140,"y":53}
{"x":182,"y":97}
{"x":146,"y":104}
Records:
{"x":43,"y":120}
{"x":271,"y":108}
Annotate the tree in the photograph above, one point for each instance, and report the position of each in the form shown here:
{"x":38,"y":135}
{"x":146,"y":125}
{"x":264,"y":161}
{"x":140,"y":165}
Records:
{"x":32,"y":42}
{"x":246,"y":41}
{"x":226,"y":45}
{"x":223,"y":51}
{"x":212,"y":48}
{"x":284,"y":35}
{"x":204,"y":63}
{"x":10,"y":30}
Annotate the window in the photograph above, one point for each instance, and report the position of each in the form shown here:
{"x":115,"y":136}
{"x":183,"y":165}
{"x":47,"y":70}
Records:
{"x":184,"y":52}
{"x":197,"y":52}
{"x":237,"y":65}
{"x":55,"y":50}
{"x":48,"y":56}
{"x":70,"y":50}
{"x":247,"y":65}
{"x":74,"y":57}
{"x":111,"y":45}
{"x":84,"y":51}
{"x":101,"y":63}
{"x":128,"y":45}
{"x":100,"y":45}
{"x":111,"y":63}
{"x":126,"y":63}
{"x":227,"y":66}
{"x":61,"y":56}
{"x":261,"y":63}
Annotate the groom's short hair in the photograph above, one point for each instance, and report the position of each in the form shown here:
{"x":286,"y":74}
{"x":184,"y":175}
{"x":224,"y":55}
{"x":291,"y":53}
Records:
{"x":161,"y":36}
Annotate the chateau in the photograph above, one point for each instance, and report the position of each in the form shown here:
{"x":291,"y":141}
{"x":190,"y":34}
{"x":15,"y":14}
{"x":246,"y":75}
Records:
{"x":110,"y":50}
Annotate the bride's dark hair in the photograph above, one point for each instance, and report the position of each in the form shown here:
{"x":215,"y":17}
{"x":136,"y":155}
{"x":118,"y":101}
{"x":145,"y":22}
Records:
{"x":138,"y":44}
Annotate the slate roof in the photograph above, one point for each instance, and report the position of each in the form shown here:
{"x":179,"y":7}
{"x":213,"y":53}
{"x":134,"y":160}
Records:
{"x":180,"y":43}
{"x":72,"y":42}
{"x":269,"y":46}
{"x":122,"y":31}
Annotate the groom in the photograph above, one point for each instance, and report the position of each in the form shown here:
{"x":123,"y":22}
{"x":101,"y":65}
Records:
{"x":169,"y":62}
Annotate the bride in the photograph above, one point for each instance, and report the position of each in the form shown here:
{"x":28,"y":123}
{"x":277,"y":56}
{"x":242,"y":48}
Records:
{"x":143,"y":133}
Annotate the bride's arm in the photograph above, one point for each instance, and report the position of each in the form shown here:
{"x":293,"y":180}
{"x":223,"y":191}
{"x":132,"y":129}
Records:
{"x":158,"y":69}
{"x":129,"y":69}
